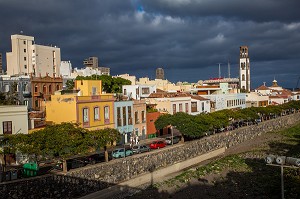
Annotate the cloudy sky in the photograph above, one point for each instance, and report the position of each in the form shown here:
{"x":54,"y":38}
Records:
{"x":187,"y":38}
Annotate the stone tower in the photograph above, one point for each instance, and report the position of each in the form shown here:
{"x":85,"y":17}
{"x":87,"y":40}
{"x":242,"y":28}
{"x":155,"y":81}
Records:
{"x":160,"y":73}
{"x":244,"y":69}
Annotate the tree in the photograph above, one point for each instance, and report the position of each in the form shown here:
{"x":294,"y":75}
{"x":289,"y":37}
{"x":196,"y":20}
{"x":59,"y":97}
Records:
{"x":109,"y":84}
{"x":70,"y":84}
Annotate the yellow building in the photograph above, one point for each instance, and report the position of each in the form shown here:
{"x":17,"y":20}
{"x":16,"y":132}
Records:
{"x":85,"y":105}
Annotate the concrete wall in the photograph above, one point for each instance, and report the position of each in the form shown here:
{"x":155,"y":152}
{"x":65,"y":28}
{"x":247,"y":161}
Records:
{"x":99,"y":176}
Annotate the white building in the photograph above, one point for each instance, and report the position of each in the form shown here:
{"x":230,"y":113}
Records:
{"x":254,"y":99}
{"x":87,"y":71}
{"x":199,"y":105}
{"x":227,"y":101}
{"x":13,"y":119}
{"x":29,"y":58}
{"x":65,"y":68}
{"x":138,"y":92}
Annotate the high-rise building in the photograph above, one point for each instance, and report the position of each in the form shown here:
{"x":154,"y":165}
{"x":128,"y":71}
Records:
{"x":27,"y":58}
{"x":244,"y":69}
{"x":160,"y":73}
{"x":104,"y":70}
{"x":1,"y":66}
{"x":91,"y":62}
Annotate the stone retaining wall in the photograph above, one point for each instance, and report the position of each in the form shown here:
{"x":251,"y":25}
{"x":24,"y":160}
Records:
{"x":92,"y":178}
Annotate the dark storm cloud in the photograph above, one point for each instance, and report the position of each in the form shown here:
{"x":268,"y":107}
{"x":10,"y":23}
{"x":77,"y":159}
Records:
{"x":185,"y":37}
{"x":256,"y":10}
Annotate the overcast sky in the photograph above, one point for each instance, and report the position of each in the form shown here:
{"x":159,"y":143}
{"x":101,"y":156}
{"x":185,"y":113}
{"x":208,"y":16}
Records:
{"x":187,"y":38}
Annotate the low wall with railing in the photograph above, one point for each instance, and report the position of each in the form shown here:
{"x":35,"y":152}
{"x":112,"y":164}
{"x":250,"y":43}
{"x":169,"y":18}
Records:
{"x":99,"y":176}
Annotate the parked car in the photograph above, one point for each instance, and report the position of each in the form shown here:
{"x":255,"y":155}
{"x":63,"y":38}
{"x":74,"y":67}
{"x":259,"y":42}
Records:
{"x":140,"y":148}
{"x":121,"y":152}
{"x":157,"y":144}
{"x":168,"y":140}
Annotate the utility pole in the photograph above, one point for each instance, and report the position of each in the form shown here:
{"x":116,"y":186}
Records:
{"x":228,"y":69}
{"x":219,"y":70}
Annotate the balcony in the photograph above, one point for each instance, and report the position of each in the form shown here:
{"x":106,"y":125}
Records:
{"x":27,"y":94}
{"x":38,"y":94}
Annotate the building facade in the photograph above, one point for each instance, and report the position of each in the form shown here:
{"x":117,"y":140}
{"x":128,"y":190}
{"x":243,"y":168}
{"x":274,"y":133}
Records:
{"x":42,"y":88}
{"x":151,"y":118}
{"x":123,"y":111}
{"x":65,"y":68}
{"x":91,"y":62}
{"x":86,"y":105}
{"x":140,"y":119}
{"x":28,"y":58}
{"x":13,"y":120}
{"x":245,"y":82}
{"x":138,"y":92}
{"x":19,"y":87}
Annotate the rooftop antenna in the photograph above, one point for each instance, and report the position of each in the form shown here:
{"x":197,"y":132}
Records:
{"x":228,"y":69}
{"x":219,"y":69}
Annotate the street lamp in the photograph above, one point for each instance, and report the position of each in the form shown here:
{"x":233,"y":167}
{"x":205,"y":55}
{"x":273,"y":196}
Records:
{"x":282,"y":161}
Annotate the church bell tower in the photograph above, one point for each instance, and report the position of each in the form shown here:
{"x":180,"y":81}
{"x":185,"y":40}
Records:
{"x":244,"y":69}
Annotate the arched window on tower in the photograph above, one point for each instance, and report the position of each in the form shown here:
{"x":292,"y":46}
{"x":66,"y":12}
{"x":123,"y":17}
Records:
{"x":243,"y":66}
{"x":243,"y":77}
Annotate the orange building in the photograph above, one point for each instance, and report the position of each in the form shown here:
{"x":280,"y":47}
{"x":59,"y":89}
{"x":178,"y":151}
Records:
{"x":151,"y":118}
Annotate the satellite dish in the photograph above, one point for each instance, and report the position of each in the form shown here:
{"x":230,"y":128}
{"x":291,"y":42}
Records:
{"x":21,"y":31}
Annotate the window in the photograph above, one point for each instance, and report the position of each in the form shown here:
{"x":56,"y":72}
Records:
{"x":129,"y":115}
{"x":24,"y":42}
{"x":24,"y":50}
{"x":138,"y":91}
{"x":124,"y":116}
{"x":186,"y":107}
{"x":119,"y":121}
{"x":7,"y":127}
{"x":36,"y":103}
{"x":174,"y":108}
{"x":25,"y":66}
{"x":36,"y":89}
{"x":243,"y":77}
{"x":24,"y":58}
{"x":194,"y":106}
{"x":6,"y":88}
{"x":96,"y":113}
{"x":136,"y":117}
{"x":106,"y":114}
{"x":180,"y":107}
{"x":125,"y":92}
{"x":145,"y":91}
{"x":94,"y":90}
{"x":143,"y":116}
{"x":50,"y":89}
{"x":57,"y":87}
{"x":202,"y":106}
{"x":85,"y":114}
{"x":44,"y":89}
{"x":33,"y":51}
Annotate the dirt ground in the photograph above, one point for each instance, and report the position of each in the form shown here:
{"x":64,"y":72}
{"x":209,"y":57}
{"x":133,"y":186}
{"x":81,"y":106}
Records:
{"x":226,"y":184}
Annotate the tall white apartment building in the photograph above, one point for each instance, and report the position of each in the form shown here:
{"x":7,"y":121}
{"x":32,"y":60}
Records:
{"x":27,"y":58}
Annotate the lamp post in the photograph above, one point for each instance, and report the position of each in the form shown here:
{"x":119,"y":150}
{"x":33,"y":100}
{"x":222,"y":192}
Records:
{"x":171,"y":134}
{"x":282,"y":161}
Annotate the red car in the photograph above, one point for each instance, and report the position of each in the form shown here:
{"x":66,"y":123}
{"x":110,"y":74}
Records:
{"x":157,"y":144}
